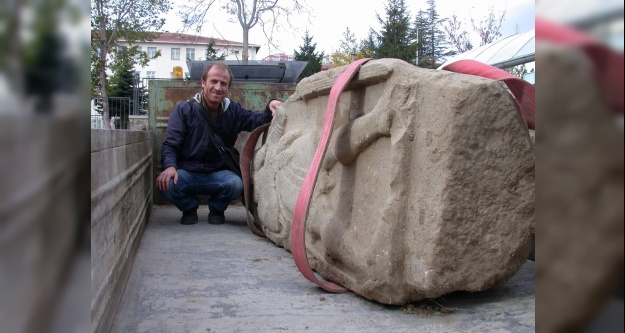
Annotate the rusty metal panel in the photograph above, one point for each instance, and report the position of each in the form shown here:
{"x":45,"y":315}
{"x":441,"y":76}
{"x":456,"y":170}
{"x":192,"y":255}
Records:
{"x":164,"y":94}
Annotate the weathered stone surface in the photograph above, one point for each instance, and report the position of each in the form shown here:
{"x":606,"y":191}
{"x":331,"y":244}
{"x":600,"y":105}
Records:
{"x":427,"y":187}
{"x":580,"y":197}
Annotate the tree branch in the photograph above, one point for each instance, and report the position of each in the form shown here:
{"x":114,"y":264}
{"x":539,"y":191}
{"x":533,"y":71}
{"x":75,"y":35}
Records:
{"x":189,"y":16}
{"x":269,"y":37}
{"x":241,"y":12}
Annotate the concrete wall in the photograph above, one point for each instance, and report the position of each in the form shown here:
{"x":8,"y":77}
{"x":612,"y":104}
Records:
{"x":121,"y":202}
{"x":39,"y":215}
{"x":138,"y":123}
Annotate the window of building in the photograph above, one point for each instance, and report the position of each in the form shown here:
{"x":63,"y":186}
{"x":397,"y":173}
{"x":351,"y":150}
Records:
{"x":138,"y":55}
{"x":175,"y":53}
{"x":151,"y":52}
{"x":150,"y":74}
{"x":190,"y":54}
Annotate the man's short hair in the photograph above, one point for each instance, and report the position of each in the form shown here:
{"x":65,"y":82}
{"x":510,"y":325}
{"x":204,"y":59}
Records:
{"x":221,"y":65}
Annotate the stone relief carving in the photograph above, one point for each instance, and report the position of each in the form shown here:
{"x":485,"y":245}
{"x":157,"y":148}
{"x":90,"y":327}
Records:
{"x":427,"y":186}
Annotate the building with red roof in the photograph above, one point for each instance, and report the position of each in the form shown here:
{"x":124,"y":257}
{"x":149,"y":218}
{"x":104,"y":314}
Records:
{"x":177,"y":48}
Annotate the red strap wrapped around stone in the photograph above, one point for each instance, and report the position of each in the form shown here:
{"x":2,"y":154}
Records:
{"x":298,"y":230}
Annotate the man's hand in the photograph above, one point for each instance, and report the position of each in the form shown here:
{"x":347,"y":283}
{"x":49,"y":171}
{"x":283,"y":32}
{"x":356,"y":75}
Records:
{"x":162,"y":181}
{"x":273,"y":105}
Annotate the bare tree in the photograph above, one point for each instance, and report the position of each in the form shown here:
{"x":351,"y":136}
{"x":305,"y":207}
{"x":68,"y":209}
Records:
{"x":519,"y":70}
{"x":347,"y":50}
{"x":489,"y":28}
{"x":458,"y":36}
{"x":249,"y":13}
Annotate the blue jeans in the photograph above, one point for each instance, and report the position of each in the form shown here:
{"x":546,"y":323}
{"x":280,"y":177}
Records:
{"x":223,"y":187}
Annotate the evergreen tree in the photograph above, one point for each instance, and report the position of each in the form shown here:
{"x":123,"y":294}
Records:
{"x":422,"y":40}
{"x":395,"y":39}
{"x":432,"y":41}
{"x":122,"y":83}
{"x":211,"y":53}
{"x":307,"y":53}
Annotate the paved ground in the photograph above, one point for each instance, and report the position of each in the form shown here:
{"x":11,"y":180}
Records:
{"x":223,"y":278}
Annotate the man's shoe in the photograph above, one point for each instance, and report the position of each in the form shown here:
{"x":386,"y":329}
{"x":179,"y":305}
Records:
{"x":189,"y":217}
{"x":216,"y":218}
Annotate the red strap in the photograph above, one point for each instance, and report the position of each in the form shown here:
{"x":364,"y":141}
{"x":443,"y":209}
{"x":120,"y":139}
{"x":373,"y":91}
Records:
{"x":523,"y":91}
{"x":298,"y":228}
{"x":245,"y":161}
{"x":608,"y":63}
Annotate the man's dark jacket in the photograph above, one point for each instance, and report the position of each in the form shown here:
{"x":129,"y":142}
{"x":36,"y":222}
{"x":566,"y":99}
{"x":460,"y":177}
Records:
{"x":187,"y":146}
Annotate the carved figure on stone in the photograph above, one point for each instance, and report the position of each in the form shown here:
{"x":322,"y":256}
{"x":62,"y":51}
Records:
{"x":427,"y":186}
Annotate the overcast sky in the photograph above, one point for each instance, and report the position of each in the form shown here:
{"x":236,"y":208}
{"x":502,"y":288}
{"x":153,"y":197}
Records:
{"x":329,"y":19}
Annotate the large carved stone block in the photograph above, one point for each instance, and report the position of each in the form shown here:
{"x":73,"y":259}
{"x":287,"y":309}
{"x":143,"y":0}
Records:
{"x":427,"y":186}
{"x":581,"y":191}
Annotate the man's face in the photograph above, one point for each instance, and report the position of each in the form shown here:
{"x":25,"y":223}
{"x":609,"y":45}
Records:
{"x":215,"y":86}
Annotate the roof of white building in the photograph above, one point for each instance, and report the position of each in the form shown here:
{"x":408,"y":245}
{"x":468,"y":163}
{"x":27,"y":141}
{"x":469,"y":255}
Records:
{"x":178,"y":38}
